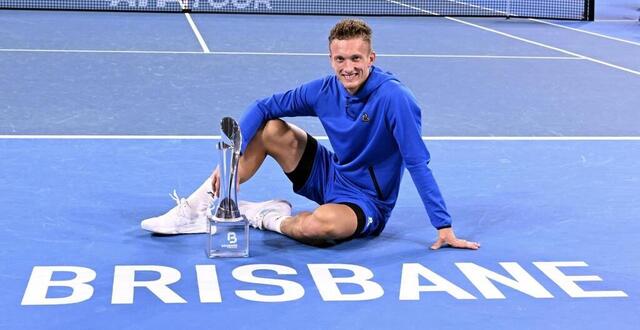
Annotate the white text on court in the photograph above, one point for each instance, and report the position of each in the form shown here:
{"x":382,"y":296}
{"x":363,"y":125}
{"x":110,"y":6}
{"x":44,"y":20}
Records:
{"x":416,"y":282}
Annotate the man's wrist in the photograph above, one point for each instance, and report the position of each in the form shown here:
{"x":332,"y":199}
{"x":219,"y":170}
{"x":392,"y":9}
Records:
{"x":445,"y":233}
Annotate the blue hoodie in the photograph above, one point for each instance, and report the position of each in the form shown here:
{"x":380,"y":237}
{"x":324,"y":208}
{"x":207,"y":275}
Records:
{"x":375,"y":134}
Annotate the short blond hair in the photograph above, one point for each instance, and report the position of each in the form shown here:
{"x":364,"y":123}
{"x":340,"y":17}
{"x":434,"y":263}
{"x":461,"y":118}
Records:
{"x":351,"y":29}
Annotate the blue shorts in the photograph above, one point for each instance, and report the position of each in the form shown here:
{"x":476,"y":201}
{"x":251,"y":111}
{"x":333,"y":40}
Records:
{"x":318,"y":179}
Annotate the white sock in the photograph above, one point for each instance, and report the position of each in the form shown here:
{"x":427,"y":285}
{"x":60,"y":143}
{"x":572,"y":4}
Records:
{"x":274,"y":223}
{"x":202,"y":196}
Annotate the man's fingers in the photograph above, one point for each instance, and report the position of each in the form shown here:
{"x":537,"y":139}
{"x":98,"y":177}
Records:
{"x":437,"y":244}
{"x":216,"y":185}
{"x":469,"y":245}
{"x":215,"y":181}
{"x":446,"y":236}
{"x":473,"y":245}
{"x":464,"y":244}
{"x":456,"y":243}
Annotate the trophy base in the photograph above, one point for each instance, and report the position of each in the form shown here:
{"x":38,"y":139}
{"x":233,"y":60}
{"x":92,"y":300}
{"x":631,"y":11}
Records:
{"x":228,"y":238}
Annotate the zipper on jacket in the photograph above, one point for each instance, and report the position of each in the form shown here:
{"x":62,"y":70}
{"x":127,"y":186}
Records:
{"x":375,"y":182}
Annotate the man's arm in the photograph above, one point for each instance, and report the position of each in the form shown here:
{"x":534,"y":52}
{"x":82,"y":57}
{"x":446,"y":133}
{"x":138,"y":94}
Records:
{"x":293,"y":103}
{"x":405,"y":119}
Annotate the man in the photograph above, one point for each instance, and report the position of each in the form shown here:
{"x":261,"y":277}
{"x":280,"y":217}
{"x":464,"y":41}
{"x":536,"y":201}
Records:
{"x":374,"y":126}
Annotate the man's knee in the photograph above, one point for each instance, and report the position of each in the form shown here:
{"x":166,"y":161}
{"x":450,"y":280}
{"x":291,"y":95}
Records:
{"x":284,"y":142}
{"x":278,"y":132}
{"x":328,"y":223}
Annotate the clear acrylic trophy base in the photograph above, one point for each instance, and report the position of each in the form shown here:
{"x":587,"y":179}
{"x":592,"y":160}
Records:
{"x":228,"y":238}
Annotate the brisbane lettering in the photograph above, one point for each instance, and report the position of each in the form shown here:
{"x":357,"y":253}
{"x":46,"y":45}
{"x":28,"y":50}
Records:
{"x":416,"y":283}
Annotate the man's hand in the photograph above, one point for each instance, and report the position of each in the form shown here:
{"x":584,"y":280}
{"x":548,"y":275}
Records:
{"x":446,"y":236}
{"x":215,"y":181}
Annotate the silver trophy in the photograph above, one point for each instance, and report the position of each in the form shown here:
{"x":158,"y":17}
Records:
{"x":228,"y":229}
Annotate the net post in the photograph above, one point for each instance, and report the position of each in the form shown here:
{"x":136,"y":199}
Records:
{"x":591,"y":9}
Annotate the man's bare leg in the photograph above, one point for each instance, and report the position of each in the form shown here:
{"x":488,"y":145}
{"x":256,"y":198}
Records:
{"x":326,"y":225}
{"x":283,"y":141}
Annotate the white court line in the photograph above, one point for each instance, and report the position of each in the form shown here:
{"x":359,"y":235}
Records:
{"x":107,"y":137}
{"x":587,"y":32}
{"x":25,"y":50}
{"x":96,"y":51}
{"x":485,"y":56}
{"x":194,"y":28}
{"x":616,"y":20}
{"x":203,"y":44}
{"x":480,"y":7}
{"x":411,"y":55}
{"x":553,"y":24}
{"x":531,"y":138}
{"x":320,"y":137}
{"x":522,"y":39}
{"x":549,"y":23}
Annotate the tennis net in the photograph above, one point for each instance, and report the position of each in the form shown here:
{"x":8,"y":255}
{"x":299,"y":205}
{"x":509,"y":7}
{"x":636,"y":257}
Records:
{"x":552,"y":9}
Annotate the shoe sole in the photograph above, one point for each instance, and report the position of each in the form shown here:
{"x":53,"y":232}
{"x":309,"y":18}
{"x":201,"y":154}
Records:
{"x":172,"y":231}
{"x":244,"y":204}
{"x":259,"y":205}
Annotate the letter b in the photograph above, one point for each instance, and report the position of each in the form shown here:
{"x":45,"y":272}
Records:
{"x":41,"y":280}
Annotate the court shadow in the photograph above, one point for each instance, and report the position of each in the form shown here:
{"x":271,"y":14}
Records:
{"x":284,"y":243}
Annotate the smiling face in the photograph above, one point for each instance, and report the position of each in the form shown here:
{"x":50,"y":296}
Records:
{"x":351,"y":59}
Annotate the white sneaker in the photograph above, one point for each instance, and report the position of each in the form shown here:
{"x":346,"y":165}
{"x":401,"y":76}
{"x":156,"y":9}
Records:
{"x":184,"y":218}
{"x":259,"y":213}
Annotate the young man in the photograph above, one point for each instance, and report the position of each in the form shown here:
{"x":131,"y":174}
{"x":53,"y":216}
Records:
{"x":373,"y":123}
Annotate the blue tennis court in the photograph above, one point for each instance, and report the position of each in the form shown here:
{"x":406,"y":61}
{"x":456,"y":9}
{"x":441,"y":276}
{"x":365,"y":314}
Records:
{"x":532,"y":125}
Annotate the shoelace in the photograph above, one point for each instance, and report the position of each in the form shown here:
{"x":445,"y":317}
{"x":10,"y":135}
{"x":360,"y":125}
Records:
{"x":262,"y":214}
{"x":182,"y":203}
